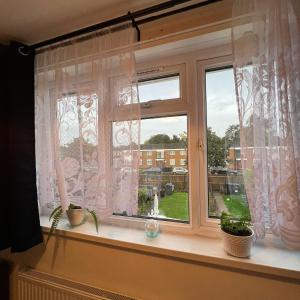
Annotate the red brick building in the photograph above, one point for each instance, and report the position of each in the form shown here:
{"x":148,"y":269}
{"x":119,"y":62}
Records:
{"x":172,"y":155}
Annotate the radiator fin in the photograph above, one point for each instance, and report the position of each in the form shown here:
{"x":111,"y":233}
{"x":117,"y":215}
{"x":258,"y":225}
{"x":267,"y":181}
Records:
{"x":34,"y":285}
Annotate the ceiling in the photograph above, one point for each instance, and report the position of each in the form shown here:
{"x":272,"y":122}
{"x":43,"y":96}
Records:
{"x":32,"y":21}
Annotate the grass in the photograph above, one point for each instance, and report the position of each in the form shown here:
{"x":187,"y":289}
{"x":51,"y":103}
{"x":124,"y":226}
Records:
{"x":175,"y":206}
{"x":236,"y":205}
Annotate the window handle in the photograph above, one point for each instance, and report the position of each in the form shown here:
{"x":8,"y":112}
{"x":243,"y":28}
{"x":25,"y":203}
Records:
{"x":146,"y":104}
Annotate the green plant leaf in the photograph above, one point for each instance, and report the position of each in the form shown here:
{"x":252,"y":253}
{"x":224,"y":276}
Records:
{"x":56,"y":215}
{"x":236,"y":225}
{"x":95,"y":218}
{"x":54,"y":211}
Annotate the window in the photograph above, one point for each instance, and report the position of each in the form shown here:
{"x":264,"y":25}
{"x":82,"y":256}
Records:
{"x":161,"y":88}
{"x":172,"y":189}
{"x":160,"y":154}
{"x":189,"y":152}
{"x":226,"y":190}
{"x":172,"y":162}
{"x":182,"y":162}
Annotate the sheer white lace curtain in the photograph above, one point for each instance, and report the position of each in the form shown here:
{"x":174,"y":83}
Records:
{"x":266,"y":55}
{"x":87,"y":123}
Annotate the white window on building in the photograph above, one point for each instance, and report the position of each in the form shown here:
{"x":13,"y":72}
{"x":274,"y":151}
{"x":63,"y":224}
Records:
{"x":149,"y":153}
{"x":183,"y":152}
{"x":149,"y":162}
{"x":160,"y":154}
{"x":141,"y":162}
{"x":182,"y":162}
{"x":172,"y":162}
{"x":141,"y":154}
{"x":172,"y":152}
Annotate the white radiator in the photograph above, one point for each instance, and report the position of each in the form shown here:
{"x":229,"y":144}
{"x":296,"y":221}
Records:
{"x":33,"y":285}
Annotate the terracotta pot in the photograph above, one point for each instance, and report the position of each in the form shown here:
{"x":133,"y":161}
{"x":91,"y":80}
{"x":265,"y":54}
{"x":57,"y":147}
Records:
{"x":76,"y":216}
{"x":239,"y":246}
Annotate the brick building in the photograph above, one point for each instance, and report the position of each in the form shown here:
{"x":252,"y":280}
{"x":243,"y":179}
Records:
{"x":162,"y":156}
{"x":234,"y":161}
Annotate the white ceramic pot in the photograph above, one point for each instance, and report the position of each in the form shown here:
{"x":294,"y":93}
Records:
{"x":239,"y":246}
{"x":76,"y":216}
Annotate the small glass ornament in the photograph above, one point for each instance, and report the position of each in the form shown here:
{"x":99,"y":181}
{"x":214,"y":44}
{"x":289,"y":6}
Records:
{"x":152,"y":228}
{"x":152,"y":225}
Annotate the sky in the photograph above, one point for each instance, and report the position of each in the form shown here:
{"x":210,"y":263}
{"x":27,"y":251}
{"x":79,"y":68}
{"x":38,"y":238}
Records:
{"x":221,"y":106}
{"x":166,"y":125}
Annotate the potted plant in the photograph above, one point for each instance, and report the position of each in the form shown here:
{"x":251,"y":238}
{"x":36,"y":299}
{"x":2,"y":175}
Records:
{"x":76,"y":216}
{"x":237,"y":234}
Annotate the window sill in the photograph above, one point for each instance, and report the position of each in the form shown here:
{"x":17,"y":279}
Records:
{"x":266,"y":259}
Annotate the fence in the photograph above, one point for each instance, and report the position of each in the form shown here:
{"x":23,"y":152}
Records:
{"x":218,"y":182}
{"x":180,"y":181}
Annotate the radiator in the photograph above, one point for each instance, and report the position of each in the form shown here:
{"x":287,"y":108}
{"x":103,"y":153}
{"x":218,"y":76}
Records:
{"x":34,"y":285}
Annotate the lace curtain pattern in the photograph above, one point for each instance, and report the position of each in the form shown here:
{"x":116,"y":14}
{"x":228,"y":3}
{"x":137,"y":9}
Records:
{"x":87,"y":123}
{"x":266,"y":55}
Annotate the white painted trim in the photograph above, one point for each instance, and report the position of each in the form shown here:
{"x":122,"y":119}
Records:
{"x":266,"y":259}
{"x":203,"y":188}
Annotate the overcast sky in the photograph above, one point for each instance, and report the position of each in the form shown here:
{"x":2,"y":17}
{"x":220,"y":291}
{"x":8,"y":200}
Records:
{"x":167,"y":125}
{"x":221,"y":107}
{"x":221,"y":100}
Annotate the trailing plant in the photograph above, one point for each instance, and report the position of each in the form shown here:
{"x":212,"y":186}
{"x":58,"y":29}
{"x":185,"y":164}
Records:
{"x":57,"y":214}
{"x":236,"y":225}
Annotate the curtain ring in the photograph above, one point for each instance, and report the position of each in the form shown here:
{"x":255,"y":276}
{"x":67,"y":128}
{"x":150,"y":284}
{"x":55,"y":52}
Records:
{"x":20,"y":50}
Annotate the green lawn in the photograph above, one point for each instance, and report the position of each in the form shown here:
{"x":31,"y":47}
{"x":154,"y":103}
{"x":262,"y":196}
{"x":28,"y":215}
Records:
{"x":235,"y":205}
{"x":175,"y":206}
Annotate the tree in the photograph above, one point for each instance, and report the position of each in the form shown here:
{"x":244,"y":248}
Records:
{"x":215,"y":149}
{"x":73,"y":149}
{"x":175,"y":139}
{"x":232,"y":136}
{"x":158,"y":139}
{"x":165,"y":139}
{"x":183,"y":138}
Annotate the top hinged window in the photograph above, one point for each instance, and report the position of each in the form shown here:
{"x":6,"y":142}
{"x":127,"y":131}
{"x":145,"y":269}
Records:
{"x":159,"y":88}
{"x":161,"y":83}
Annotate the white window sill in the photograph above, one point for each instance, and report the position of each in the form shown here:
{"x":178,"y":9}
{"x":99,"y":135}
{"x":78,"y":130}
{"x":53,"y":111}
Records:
{"x":265,"y":259}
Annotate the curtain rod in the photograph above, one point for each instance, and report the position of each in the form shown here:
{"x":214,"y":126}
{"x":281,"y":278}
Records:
{"x":131,"y":16}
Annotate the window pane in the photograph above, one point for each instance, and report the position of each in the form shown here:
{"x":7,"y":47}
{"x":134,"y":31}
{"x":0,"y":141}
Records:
{"x":159,"y":88}
{"x":163,"y":168}
{"x":226,"y":190}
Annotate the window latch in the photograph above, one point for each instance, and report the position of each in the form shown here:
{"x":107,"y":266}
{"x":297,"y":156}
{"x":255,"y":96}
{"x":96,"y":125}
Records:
{"x":146,"y":105}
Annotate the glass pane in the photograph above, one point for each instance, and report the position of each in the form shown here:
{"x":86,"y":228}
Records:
{"x":159,"y":88}
{"x":163,"y":169}
{"x":226,"y":190}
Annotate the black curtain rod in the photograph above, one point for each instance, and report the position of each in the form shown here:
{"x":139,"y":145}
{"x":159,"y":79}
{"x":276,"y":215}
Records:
{"x":131,"y":16}
{"x":176,"y":11}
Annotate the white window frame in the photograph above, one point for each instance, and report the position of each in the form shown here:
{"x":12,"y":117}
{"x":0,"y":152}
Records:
{"x":192,"y":82}
{"x":219,"y":62}
{"x":182,"y":161}
{"x":149,"y":162}
{"x":183,"y":152}
{"x":149,"y":153}
{"x":171,"y":152}
{"x":172,"y":162}
{"x":160,"y":154}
